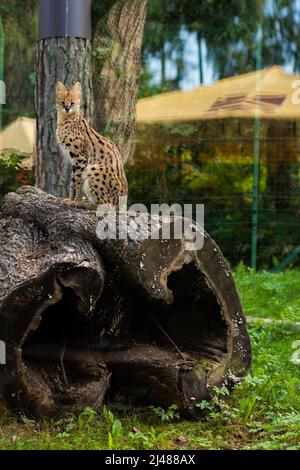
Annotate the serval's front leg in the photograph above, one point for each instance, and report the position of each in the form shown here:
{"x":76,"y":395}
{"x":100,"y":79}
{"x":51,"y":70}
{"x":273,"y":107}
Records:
{"x":76,"y":188}
{"x":76,"y":193}
{"x":76,"y":184}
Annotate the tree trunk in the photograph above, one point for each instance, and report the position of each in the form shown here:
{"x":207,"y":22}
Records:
{"x":67,"y":60}
{"x":118,"y":43}
{"x":164,"y":323}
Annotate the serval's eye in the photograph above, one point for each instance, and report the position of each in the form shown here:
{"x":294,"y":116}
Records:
{"x":72,"y":103}
{"x":62,"y":103}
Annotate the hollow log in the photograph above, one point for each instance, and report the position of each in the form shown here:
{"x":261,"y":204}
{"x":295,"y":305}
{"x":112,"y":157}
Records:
{"x":144,"y":321}
{"x":62,"y":281}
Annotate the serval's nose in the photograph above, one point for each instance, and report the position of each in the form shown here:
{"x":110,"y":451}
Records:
{"x":67,"y":108}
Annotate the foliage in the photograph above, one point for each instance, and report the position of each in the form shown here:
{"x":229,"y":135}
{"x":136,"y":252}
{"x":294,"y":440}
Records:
{"x":283,"y":42}
{"x":223,"y":183}
{"x":166,"y":415}
{"x":226,"y":27}
{"x":11,"y":174}
{"x":116,"y":428}
{"x":147,"y":87}
{"x":261,"y":413}
{"x":99,"y":9}
{"x":16,"y":8}
{"x":19,"y":58}
{"x":86,"y":418}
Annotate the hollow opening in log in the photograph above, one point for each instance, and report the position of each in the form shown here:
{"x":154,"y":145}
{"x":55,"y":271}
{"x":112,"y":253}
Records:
{"x":160,"y":353}
{"x":193,"y":321}
{"x":58,"y":366}
{"x":59,"y":322}
{"x":190,"y":334}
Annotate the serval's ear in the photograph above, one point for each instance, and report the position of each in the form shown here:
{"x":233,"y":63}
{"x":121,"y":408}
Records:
{"x":76,"y":89}
{"x":60,"y":88}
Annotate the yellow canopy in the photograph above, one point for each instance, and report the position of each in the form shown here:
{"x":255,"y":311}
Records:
{"x":19,"y":136}
{"x":267,"y":93}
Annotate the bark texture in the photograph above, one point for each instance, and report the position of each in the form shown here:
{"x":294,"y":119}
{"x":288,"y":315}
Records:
{"x":67,"y":60}
{"x":163,"y":324}
{"x":117,"y":46}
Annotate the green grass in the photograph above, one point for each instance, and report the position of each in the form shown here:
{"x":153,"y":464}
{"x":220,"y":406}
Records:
{"x":262,"y":413}
{"x":270,"y":295}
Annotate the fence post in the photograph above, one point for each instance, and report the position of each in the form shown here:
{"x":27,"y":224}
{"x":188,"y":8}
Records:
{"x":255,"y":194}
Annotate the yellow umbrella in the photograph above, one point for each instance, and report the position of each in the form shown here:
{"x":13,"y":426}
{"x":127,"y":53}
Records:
{"x":19,"y":137}
{"x":268,"y":94}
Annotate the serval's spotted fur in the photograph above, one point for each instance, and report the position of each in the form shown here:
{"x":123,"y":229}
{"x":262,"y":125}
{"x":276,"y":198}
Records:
{"x":98,"y":171}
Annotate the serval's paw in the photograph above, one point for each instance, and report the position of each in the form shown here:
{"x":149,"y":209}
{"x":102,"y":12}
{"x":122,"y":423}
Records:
{"x":68,"y":201}
{"x":79,"y":203}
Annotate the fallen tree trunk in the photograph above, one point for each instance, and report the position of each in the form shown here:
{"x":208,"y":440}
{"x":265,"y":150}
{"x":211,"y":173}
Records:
{"x":47,"y":290}
{"x":163,"y":323}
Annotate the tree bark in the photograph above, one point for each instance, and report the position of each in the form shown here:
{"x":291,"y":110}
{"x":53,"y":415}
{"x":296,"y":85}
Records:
{"x":39,"y":281}
{"x":118,"y":44}
{"x":164,"y":323}
{"x":67,"y":60}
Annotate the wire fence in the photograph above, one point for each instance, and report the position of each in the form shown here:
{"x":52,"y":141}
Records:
{"x":206,"y":172}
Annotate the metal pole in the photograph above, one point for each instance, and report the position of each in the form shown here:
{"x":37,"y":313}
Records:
{"x":65,"y":18}
{"x":255,"y":198}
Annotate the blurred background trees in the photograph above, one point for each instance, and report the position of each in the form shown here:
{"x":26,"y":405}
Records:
{"x":206,"y":40}
{"x":19,"y":24}
{"x":224,"y":31}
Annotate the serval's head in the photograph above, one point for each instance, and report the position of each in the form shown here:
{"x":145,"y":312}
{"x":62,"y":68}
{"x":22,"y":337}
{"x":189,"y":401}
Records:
{"x":67,"y":102}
